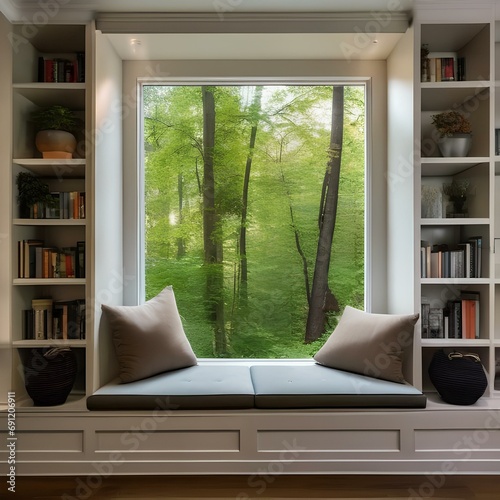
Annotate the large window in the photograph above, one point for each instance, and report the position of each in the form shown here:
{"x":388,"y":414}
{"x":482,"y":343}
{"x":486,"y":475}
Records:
{"x":254,"y":210}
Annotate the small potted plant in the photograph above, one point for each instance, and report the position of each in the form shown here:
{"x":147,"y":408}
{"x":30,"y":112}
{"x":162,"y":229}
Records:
{"x":456,"y":191}
{"x":454,"y":133}
{"x":32,"y":195}
{"x":55,"y":126}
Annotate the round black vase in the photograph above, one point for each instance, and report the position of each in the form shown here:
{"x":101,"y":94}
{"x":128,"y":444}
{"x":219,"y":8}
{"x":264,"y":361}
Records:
{"x":49,"y":375}
{"x":459,"y":378}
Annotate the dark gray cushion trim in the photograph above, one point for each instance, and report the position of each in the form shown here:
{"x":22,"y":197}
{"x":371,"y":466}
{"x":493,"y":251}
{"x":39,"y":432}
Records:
{"x":273,"y":401}
{"x":151,"y":403}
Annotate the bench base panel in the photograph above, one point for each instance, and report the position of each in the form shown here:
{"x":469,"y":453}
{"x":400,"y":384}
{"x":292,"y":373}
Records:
{"x":443,"y":441}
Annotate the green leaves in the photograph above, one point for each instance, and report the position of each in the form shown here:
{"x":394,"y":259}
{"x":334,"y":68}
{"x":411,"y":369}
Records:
{"x":288,"y":165}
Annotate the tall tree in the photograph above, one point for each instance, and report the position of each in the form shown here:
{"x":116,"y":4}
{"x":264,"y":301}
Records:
{"x":212,"y":244}
{"x":322,"y":299}
{"x":254,"y":116}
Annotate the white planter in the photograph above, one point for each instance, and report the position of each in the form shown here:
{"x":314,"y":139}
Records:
{"x":457,"y":145}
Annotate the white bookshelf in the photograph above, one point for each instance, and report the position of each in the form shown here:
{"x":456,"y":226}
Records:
{"x":475,"y":97}
{"x":28,"y":94}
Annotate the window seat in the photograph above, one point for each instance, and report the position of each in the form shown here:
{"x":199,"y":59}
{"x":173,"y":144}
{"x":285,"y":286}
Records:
{"x":265,"y":385}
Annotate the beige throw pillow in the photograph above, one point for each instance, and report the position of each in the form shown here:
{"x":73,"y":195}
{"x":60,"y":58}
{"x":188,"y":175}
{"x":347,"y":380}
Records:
{"x":369,"y":344}
{"x":149,"y":338}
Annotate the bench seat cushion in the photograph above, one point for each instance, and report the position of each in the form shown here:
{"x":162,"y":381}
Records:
{"x":196,"y":387}
{"x":317,"y":386}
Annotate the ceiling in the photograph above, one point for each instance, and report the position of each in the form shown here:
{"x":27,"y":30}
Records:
{"x":234,"y":45}
{"x":252,"y":46}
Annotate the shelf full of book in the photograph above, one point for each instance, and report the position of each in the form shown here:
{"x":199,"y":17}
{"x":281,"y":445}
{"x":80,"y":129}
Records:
{"x":454,"y":231}
{"x":49,"y":235}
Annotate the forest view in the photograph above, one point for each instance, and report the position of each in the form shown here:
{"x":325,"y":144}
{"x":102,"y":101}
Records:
{"x":254,"y":212}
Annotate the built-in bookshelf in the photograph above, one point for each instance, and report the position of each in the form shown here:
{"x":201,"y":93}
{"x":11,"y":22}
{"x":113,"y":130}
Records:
{"x":48,"y":246}
{"x":457,"y":294}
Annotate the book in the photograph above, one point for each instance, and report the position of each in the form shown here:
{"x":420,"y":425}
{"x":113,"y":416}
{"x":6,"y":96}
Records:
{"x":476,"y":247}
{"x":27,"y":257}
{"x":436,"y":330}
{"x":442,"y":66}
{"x":69,"y":319}
{"x":27,"y":324}
{"x":470,"y":314}
{"x":80,"y":259}
{"x":42,"y":319}
{"x":455,"y":319}
{"x":57,"y":69}
{"x":425,"y":309}
{"x":425,"y":247}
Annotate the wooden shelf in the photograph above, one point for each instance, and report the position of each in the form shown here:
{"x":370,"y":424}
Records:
{"x":48,"y":281}
{"x":71,"y":95}
{"x":55,"y":168}
{"x":49,"y":222}
{"x":456,"y":343}
{"x":455,"y":281}
{"x":445,"y":95}
{"x":462,"y":221}
{"x":442,"y":167}
{"x":49,"y":343}
{"x":75,"y":402}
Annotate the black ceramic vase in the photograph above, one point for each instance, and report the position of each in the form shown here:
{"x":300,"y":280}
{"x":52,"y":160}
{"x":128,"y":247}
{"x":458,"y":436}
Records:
{"x":459,"y":378}
{"x":49,"y":375}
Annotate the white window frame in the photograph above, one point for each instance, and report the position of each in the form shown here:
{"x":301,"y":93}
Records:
{"x":375,"y":204}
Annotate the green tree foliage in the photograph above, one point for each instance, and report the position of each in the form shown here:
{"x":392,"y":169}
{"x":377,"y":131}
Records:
{"x":284,"y":190}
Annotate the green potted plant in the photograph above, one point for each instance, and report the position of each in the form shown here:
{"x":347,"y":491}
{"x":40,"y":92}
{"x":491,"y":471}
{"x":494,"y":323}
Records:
{"x":456,"y":191}
{"x":32,"y":195}
{"x":454,"y":133}
{"x":55,"y":126}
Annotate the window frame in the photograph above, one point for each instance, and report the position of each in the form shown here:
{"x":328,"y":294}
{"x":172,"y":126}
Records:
{"x":369,"y":73}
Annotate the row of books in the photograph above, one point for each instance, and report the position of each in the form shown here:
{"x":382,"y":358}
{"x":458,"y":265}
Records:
{"x":35,"y":260}
{"x":47,"y":319}
{"x":62,"y":70}
{"x":444,"y":69}
{"x":65,"y":205}
{"x":458,"y":320}
{"x":447,"y":261}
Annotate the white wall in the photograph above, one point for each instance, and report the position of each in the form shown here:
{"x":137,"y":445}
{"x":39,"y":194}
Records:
{"x":375,"y":71}
{"x":106,"y":246}
{"x":400,"y":168}
{"x":5,"y":213}
{"x":400,"y":188}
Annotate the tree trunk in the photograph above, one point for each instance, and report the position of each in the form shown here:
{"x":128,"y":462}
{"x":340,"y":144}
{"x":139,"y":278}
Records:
{"x":322,"y":299}
{"x":298,"y":244}
{"x":254,"y":119}
{"x":212,"y":244}
{"x":181,"y":247}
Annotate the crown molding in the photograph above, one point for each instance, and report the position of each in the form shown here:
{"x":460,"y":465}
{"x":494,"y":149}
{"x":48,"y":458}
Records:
{"x":9,"y":10}
{"x":251,"y":22}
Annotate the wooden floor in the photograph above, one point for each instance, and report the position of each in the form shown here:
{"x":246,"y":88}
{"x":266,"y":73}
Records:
{"x":262,"y":487}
